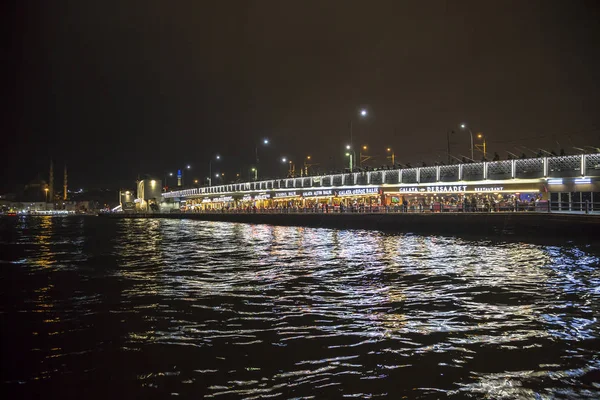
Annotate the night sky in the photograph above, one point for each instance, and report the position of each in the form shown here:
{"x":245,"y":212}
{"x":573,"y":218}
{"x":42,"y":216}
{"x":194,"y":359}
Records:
{"x":121,"y":88}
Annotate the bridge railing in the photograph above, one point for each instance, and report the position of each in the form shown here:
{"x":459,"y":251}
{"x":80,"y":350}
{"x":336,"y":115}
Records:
{"x":529,"y":168}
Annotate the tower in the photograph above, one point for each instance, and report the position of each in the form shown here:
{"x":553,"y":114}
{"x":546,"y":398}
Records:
{"x":51,"y":183}
{"x":65,"y":184}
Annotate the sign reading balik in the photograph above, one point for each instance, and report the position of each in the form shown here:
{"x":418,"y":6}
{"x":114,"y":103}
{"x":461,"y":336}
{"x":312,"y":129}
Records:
{"x":317,"y":193}
{"x":359,"y":191}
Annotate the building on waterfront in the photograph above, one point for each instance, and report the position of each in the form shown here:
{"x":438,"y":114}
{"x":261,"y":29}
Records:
{"x":568,"y":183}
{"x":149,"y":193}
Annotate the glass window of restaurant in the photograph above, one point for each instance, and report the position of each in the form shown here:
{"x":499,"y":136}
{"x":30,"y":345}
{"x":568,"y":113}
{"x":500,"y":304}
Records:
{"x":317,"y":199}
{"x":464,"y":198}
{"x":357,"y":200}
{"x":261,"y":201}
{"x":287,"y":200}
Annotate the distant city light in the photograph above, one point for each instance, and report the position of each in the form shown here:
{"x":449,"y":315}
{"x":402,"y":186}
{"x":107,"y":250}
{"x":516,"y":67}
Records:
{"x":463,"y":126}
{"x":348,"y":147}
{"x":188,"y":167}
{"x":218,"y":157}
{"x":266,"y":141}
{"x":363,"y":112}
{"x":283,"y":159}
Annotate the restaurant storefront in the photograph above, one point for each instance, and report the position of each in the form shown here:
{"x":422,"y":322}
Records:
{"x":466,"y":197}
{"x":358,"y":199}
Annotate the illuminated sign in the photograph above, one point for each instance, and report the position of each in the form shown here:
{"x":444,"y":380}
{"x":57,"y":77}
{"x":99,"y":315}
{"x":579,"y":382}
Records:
{"x":316,"y":193}
{"x":410,"y":189}
{"x":207,"y":200}
{"x":446,"y":189}
{"x":489,"y":189}
{"x":222,"y":199}
{"x":247,"y":197}
{"x":360,"y":191}
{"x":583,"y":180}
{"x":285,"y":194}
{"x":262,"y":196}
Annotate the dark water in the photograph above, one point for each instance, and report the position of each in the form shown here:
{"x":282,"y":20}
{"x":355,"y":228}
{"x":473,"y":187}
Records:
{"x":96,"y":308}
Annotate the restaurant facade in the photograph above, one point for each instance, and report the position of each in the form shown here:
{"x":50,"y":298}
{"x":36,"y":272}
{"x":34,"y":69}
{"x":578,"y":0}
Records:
{"x":503,"y":195}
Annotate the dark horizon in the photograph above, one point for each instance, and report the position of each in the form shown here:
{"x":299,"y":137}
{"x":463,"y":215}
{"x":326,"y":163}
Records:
{"x":132,"y":88}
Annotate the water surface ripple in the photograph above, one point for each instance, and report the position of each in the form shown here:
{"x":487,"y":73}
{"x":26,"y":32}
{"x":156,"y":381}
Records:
{"x":141,"y":308}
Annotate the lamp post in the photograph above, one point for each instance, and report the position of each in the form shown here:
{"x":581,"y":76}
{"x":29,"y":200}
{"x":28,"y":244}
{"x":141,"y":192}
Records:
{"x":363,"y":113}
{"x":188,"y":167}
{"x":483,"y":147}
{"x":291,"y":165}
{"x":392,"y":155}
{"x":265,"y":142}
{"x":362,"y":157}
{"x":464,"y":126}
{"x":46,"y":197}
{"x":217,"y":157}
{"x":167,"y":175}
{"x":255,"y":170}
{"x":349,"y":154}
{"x":307,"y":164}
{"x":353,"y":156}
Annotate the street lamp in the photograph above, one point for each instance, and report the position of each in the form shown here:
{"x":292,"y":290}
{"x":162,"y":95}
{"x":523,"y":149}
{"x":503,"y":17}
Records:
{"x":464,"y":126}
{"x":392,"y":155}
{"x":307,"y":165}
{"x":363,"y":113}
{"x":180,"y":175}
{"x":284,"y":160}
{"x":348,"y":154}
{"x":265,"y":142}
{"x":482,"y":136}
{"x":217,"y":157}
{"x":353,"y":155}
{"x":363,"y":157}
{"x":46,"y":190}
{"x":255,"y":173}
{"x":167,"y":179}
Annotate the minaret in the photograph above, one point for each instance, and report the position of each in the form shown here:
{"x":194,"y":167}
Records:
{"x":65,"y":184}
{"x":51,"y":183}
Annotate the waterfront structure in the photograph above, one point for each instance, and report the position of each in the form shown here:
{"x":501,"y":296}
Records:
{"x":569,"y":182}
{"x":65,"y":191}
{"x":51,"y":183}
{"x":148,"y":195}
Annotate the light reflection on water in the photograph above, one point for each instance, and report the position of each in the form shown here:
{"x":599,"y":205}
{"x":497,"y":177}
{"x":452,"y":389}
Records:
{"x":219,"y":309}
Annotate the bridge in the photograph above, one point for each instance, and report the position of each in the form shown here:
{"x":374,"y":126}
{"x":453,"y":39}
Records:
{"x":567,"y":183}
